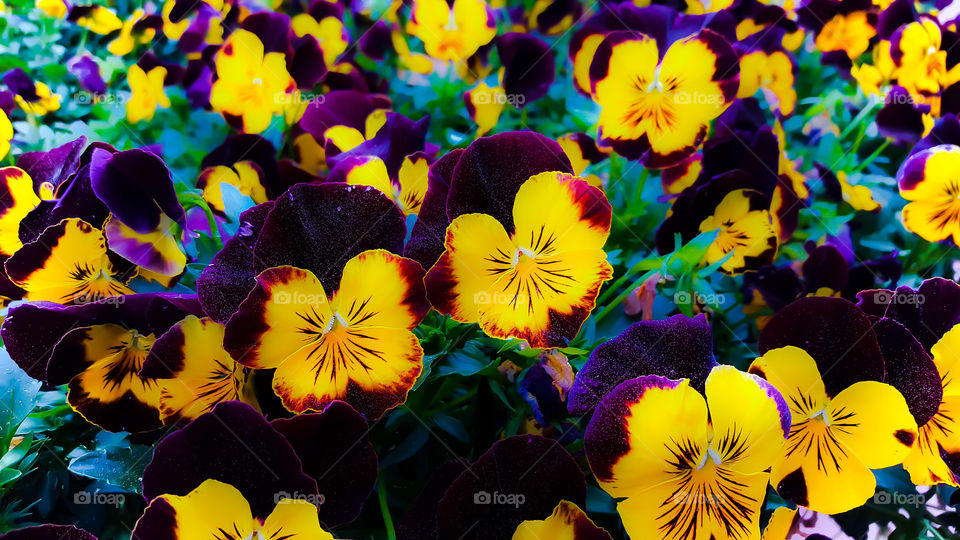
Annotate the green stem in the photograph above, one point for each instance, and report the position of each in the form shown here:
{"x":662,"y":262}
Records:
{"x":384,"y":510}
{"x":610,"y":307}
{"x":51,"y":412}
{"x":876,"y":153}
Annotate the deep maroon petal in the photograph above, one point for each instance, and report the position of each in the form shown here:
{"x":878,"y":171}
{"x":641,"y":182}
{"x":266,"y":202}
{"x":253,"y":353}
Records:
{"x":307,"y":66}
{"x":398,"y":138}
{"x":336,"y":452}
{"x":319,"y":227}
{"x":426,"y":238}
{"x":340,"y":108}
{"x":53,"y":166}
{"x":233,"y":444}
{"x":676,"y":348}
{"x":930,"y":311}
{"x":75,"y":198}
{"x":482,"y":502}
{"x":492,"y":169}
{"x":420,"y":521}
{"x":909,"y":369}
{"x":248,"y":147}
{"x":376,"y":41}
{"x":228,"y":278}
{"x":136,"y":187}
{"x":529,"y":67}
{"x":836,"y":333}
{"x":825,"y":267}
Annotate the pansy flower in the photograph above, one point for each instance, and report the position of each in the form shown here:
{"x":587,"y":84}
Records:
{"x":68,"y":263}
{"x":135,"y":30}
{"x":146,"y":93}
{"x":136,"y":186}
{"x":927,"y":180}
{"x":537,"y":282}
{"x":33,"y":97}
{"x":582,"y":151}
{"x":98,"y":19}
{"x":452,"y":31}
{"x":745,"y":229}
{"x":328,"y":31}
{"x":353,"y":344}
{"x":685,"y":466}
{"x":250,"y":86}
{"x":406,"y":191}
{"x":484,"y":105}
{"x":566,"y":521}
{"x":214,"y":509}
{"x":766,"y":65}
{"x":17,"y":200}
{"x":657,"y":104}
{"x":194,"y":372}
{"x":244,"y":175}
{"x":835,"y":439}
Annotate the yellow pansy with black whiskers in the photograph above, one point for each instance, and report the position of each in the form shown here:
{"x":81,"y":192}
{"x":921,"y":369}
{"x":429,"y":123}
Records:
{"x":745,"y":228}
{"x":834,"y":441}
{"x":929,"y":180}
{"x":407,"y":191}
{"x":68,"y":263}
{"x":685,"y":467}
{"x":454,"y":30}
{"x":538,"y":282}
{"x":218,"y":510}
{"x":353,"y":344}
{"x":658,"y":108}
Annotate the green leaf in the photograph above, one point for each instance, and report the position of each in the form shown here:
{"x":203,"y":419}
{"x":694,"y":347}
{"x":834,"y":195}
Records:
{"x":113,"y":463}
{"x":18,"y":395}
{"x":469,"y":360}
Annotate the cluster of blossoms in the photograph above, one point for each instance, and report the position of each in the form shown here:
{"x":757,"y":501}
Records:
{"x":256,"y":322}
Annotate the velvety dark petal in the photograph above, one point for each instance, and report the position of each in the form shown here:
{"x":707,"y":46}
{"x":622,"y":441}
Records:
{"x":336,"y":452}
{"x":909,"y":369}
{"x":136,"y":187}
{"x":53,"y":166}
{"x":307,"y":66}
{"x":481,"y":502}
{"x":48,"y":532}
{"x":945,"y":131}
{"x":537,"y":389}
{"x":929,"y":311}
{"x":319,"y":227}
{"x":777,"y":286}
{"x":340,"y":108}
{"x":529,"y":67}
{"x":492,"y":169}
{"x":228,"y":278}
{"x":825,"y":267}
{"x":897,"y":14}
{"x":30,"y":331}
{"x":272,"y":28}
{"x":233,"y":444}
{"x":881,"y":272}
{"x":426,"y":238}
{"x":75,"y":198}
{"x":21,"y":84}
{"x":420,"y":521}
{"x":836,"y":333}
{"x":375,"y":42}
{"x":676,"y":348}
{"x":248,"y":147}
{"x":900,"y":118}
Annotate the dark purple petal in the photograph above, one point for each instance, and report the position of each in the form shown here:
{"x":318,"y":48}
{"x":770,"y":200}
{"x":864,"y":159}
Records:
{"x":420,"y":521}
{"x":376,"y":41}
{"x":398,"y":138}
{"x":426,"y":238}
{"x":228,"y":278}
{"x":136,"y":187}
{"x":836,"y":333}
{"x":901,"y":118}
{"x":777,"y":286}
{"x":48,"y":532}
{"x":233,"y":444}
{"x":676,"y":348}
{"x":319,"y":227}
{"x":86,"y":69}
{"x":336,"y":452}
{"x":340,"y":108}
{"x":946,"y":131}
{"x":537,"y":388}
{"x":825,"y":267}
{"x":53,"y":166}
{"x":21,"y":84}
{"x":75,"y":199}
{"x":909,"y":369}
{"x":491,"y":170}
{"x":532,"y":467}
{"x":249,"y":147}
{"x":930,"y":311}
{"x":272,"y":28}
{"x":529,"y":67}
{"x":307,"y":66}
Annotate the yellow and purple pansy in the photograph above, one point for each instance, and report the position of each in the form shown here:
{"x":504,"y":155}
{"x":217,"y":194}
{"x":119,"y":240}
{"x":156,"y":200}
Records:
{"x":927,"y":180}
{"x":452,"y":30}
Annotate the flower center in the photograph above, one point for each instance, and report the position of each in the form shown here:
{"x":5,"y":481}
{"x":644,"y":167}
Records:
{"x":336,"y":322}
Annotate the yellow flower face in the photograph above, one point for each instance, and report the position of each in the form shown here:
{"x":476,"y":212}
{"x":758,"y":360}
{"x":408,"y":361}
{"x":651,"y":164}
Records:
{"x":452,"y":32}
{"x":18,"y":199}
{"x":834,"y":442}
{"x":250,"y":85}
{"x":688,"y":467}
{"x":538,"y":283}
{"x":657,"y":110}
{"x":48,"y":101}
{"x":746,"y":229}
{"x":246,"y":176}
{"x":68,"y":263}
{"x":329,"y":33}
{"x":146,"y":93}
{"x":214,"y":507}
{"x":354,"y":345}
{"x":850,"y":33}
{"x":484,"y":104}
{"x":940,"y":436}
{"x":100,"y":20}
{"x":929,"y":181}
{"x":773,"y":73}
